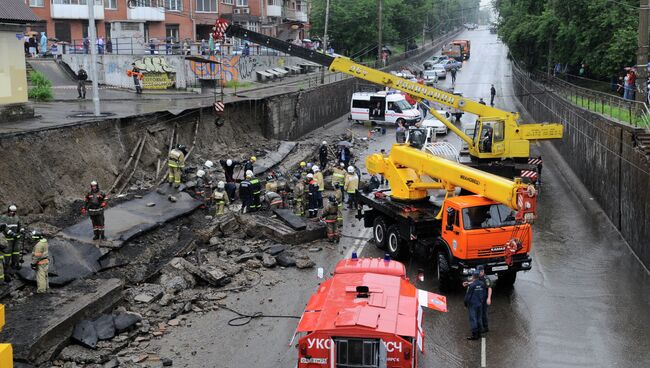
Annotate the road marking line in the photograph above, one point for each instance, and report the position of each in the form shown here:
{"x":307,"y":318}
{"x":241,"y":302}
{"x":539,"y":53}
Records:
{"x":483,"y":353}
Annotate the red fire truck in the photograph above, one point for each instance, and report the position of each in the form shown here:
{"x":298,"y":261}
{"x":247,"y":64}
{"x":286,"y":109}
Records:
{"x":367,"y":315}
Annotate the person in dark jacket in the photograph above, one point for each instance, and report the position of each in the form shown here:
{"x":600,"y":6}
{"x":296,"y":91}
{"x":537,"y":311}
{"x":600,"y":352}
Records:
{"x":493,"y":93}
{"x":137,"y":77}
{"x":474,"y":299}
{"x":229,"y":169}
{"x":312,"y":193}
{"x":345,"y":155}
{"x":246,"y":194}
{"x":322,"y":155}
{"x":82,"y":76}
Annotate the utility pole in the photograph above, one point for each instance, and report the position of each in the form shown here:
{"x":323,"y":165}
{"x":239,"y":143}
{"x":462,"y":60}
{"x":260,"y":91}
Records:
{"x":92,"y":34}
{"x":642,"y":51}
{"x":327,"y":19}
{"x":380,"y":10}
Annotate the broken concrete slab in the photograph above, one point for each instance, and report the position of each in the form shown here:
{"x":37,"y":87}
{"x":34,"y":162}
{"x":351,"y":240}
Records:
{"x":69,"y":260}
{"x":273,"y":158}
{"x":285,"y":260}
{"x":257,"y":224}
{"x":132,"y":218}
{"x":85,"y":334}
{"x":124,"y":321}
{"x":288,"y":217}
{"x":105,"y":327}
{"x":41,"y":324}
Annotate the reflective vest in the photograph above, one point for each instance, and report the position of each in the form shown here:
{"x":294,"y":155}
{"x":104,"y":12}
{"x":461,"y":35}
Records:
{"x":220,"y":197}
{"x":331,"y":213}
{"x":176,"y":158}
{"x":351,"y":183}
{"x":321,"y":182}
{"x":338,"y":176}
{"x":40,"y":254}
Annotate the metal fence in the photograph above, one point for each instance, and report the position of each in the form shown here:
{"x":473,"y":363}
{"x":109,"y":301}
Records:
{"x":634,"y":113}
{"x":138,"y":46}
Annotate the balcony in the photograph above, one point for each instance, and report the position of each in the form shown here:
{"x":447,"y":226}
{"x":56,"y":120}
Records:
{"x":146,"y":13}
{"x":274,"y":11}
{"x":301,"y":16}
{"x":70,"y":9}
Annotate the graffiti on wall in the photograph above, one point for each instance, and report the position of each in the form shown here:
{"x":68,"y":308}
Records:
{"x":157,"y":73}
{"x":234,"y":67}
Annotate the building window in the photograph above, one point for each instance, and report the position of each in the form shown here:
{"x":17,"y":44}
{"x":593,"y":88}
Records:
{"x":206,"y":6}
{"x":227,"y":2}
{"x":37,"y":3}
{"x":171,"y":30}
{"x":110,"y":4}
{"x":74,"y":2}
{"x":174,"y":5}
{"x":242,"y":2}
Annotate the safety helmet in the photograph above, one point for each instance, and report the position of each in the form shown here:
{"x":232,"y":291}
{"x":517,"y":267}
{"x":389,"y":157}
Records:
{"x":253,"y":158}
{"x":331,"y":198}
{"x":249,"y":173}
{"x":324,"y":143}
{"x":269,"y":177}
{"x":209,"y":164}
{"x":221,"y":185}
{"x":310,"y":176}
{"x":13,"y":208}
{"x":37,"y":234}
{"x":229,"y":162}
{"x":315,"y":168}
{"x":181,"y":147}
{"x":350,"y":169}
{"x":303,"y":164}
{"x":200,"y":173}
{"x":93,"y":183}
{"x":342,"y":164}
{"x":309,"y":165}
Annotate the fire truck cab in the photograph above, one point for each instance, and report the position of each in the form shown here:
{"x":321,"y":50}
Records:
{"x":367,"y":315}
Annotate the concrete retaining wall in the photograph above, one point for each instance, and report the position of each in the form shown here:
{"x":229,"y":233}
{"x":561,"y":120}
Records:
{"x":602,"y":153}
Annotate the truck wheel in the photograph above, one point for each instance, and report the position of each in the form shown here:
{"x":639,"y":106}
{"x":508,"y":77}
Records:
{"x":443,"y":271}
{"x":394,"y":243}
{"x":507,"y":279}
{"x":379,"y":232}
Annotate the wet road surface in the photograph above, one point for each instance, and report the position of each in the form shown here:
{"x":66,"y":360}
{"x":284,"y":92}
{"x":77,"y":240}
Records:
{"x":585,"y":303}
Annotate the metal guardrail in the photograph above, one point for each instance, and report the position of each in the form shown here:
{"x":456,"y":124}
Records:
{"x":633,"y":113}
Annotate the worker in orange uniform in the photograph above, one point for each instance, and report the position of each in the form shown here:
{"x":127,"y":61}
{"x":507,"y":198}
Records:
{"x":330,"y":216}
{"x":40,"y":262}
{"x":94,"y":205}
{"x":176,"y":163}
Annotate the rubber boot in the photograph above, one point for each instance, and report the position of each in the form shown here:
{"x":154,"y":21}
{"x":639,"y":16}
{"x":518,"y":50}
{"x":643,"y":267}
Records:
{"x":101,"y":235}
{"x":475,"y":336}
{"x":96,"y":234}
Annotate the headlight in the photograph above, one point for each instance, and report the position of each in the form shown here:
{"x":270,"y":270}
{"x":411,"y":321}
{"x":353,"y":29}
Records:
{"x":525,"y":265}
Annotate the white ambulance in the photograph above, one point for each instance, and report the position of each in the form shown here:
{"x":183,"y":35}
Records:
{"x":383,"y":106}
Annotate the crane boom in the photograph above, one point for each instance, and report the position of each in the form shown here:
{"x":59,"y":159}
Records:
{"x":514,"y":143}
{"x":404,"y":166}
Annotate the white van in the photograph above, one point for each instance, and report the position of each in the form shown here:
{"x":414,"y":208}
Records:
{"x":382,"y":106}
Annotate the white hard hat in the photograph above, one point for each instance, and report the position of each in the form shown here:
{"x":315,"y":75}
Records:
{"x":315,"y":168}
{"x":342,"y":164}
{"x":249,"y":173}
{"x":208,"y":164}
{"x":350,"y":169}
{"x":93,"y":183}
{"x":200,"y":173}
{"x":324,"y":143}
{"x":310,"y":175}
{"x":13,"y":208}
{"x":221,"y":185}
{"x":229,"y":162}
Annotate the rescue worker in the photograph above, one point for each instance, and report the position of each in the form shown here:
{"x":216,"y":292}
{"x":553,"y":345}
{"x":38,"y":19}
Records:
{"x":312,"y":192}
{"x":176,"y":163}
{"x":3,"y":250}
{"x":220,"y":198}
{"x":202,"y":188}
{"x":330,"y":216}
{"x":351,"y":185}
{"x":208,"y":167}
{"x":338,"y":195}
{"x":256,"y":191}
{"x":13,"y":235}
{"x":474,"y":298}
{"x":94,"y":205}
{"x":318,"y":176}
{"x":229,"y":169}
{"x":322,"y":154}
{"x":338,"y":174}
{"x":488,"y":297}
{"x":248,"y":165}
{"x":271,"y":184}
{"x":245,"y":193}
{"x":298,"y":194}
{"x":481,"y":101}
{"x":40,"y":262}
{"x":273,"y":199}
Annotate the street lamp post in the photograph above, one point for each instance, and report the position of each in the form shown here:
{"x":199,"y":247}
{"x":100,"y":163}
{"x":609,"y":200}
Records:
{"x":92,"y":34}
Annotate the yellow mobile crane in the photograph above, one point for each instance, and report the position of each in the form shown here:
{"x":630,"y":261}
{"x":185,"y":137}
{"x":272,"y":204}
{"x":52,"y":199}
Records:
{"x":500,"y":144}
{"x":492,"y":228}
{"x":6,"y":353}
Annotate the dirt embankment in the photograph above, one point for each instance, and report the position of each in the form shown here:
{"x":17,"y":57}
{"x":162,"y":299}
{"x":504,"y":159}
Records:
{"x":45,"y":171}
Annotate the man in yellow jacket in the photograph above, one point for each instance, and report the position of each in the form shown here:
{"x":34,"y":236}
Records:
{"x":176,"y":163}
{"x":40,"y":262}
{"x":318,"y":176}
{"x":351,"y":185}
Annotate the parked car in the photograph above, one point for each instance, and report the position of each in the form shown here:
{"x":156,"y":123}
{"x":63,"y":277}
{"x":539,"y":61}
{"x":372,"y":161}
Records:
{"x":449,"y":64}
{"x":435,"y":124}
{"x":431,"y":76}
{"x":464,"y":147}
{"x":428,"y":64}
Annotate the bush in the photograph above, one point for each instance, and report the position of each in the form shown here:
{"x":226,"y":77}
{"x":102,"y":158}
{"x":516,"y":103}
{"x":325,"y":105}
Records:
{"x":237,"y":84}
{"x":41,"y":89}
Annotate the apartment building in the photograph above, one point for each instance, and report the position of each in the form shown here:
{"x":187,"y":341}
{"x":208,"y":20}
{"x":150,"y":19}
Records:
{"x":67,"y":20}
